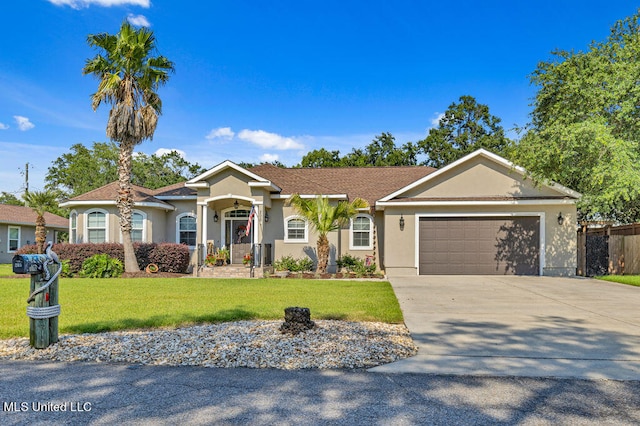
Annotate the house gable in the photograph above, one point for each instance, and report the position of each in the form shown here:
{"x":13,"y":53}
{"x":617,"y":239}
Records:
{"x":480,"y":176}
{"x":207,"y":178}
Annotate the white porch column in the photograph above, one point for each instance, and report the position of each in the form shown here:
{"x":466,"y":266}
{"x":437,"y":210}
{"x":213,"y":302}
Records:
{"x":204,"y":222}
{"x":257,"y":219}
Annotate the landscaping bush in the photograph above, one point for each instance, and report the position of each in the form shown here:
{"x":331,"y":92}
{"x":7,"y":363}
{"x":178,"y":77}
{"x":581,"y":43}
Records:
{"x":143,"y":253}
{"x":101,"y":266}
{"x":288,"y":263}
{"x":169,"y":257}
{"x":66,"y":269}
{"x":355,"y":265}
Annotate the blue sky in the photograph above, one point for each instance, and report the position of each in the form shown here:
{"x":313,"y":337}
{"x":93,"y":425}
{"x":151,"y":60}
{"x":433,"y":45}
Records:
{"x":271,"y":80}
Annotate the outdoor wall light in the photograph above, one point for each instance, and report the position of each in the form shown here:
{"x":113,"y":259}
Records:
{"x":560,"y":219}
{"x":266,"y":216}
{"x":215,"y":216}
{"x":401,"y":222}
{"x":235,"y":204}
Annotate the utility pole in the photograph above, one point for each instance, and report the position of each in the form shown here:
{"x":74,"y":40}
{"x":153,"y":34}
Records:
{"x":26,"y":178}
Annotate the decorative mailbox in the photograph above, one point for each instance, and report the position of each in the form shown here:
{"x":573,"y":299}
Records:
{"x":43,"y":308}
{"x":29,"y":263}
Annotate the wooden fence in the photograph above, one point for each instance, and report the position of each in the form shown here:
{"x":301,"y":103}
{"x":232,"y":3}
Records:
{"x":609,"y":250}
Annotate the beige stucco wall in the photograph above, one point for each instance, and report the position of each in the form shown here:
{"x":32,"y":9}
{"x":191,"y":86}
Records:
{"x":480,"y":177}
{"x":559,"y":241}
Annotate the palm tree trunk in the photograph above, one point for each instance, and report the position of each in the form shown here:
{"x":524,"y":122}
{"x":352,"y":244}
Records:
{"x":323,"y":253}
{"x":125,"y":205}
{"x":41,"y":233}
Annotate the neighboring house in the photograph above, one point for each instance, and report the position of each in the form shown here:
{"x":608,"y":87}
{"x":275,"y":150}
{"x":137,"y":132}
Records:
{"x":478,"y":215}
{"x":18,"y":227}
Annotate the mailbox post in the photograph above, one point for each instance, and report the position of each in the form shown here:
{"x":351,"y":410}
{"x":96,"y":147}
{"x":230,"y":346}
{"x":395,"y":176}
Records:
{"x":43,"y":309}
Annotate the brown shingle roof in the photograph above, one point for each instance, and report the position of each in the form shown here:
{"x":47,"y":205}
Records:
{"x":370,"y":183}
{"x":19,"y":215}
{"x":109,"y":192}
{"x":175,"y":190}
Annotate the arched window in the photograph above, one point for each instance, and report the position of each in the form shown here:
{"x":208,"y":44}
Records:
{"x":137,"y":227}
{"x":296,"y":230}
{"x":96,"y":226}
{"x":361,"y":233}
{"x":186,"y":229}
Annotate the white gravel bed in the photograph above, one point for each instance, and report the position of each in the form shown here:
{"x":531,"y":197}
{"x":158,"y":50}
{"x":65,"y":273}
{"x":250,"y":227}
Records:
{"x":252,"y":344}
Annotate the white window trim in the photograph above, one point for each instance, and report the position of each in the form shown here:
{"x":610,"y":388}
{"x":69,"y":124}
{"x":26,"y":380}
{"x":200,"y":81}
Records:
{"x":304,"y":240}
{"x":354,"y":247}
{"x":144,"y":225}
{"x":180,"y":216}
{"x":9,"y":228}
{"x":71,"y":228}
{"x":85,"y":237}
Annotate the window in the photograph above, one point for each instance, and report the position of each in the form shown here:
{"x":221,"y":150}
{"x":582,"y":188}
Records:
{"x":97,"y":227}
{"x":73,"y":227}
{"x":295,"y":230}
{"x":13,"y":239}
{"x":187,"y":229}
{"x":137,"y":227}
{"x":361,"y":233}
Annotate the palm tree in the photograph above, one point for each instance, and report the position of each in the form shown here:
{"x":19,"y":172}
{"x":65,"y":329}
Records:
{"x":41,"y":202}
{"x":324,"y":218}
{"x":129,"y":77}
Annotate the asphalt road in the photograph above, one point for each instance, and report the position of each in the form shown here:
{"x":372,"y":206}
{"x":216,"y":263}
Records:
{"x":94,"y":393}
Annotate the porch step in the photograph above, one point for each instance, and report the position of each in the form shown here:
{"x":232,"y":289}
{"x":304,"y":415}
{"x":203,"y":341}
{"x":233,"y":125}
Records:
{"x":227,"y":271}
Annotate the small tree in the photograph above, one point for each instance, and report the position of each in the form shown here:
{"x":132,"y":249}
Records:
{"x":324,"y":218}
{"x":41,"y":202}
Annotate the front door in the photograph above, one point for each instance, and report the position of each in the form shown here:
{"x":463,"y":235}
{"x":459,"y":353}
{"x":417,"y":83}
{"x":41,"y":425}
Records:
{"x":236,"y":238}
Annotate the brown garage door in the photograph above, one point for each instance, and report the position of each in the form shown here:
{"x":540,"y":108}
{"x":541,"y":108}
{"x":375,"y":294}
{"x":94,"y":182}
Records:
{"x":479,"y":245}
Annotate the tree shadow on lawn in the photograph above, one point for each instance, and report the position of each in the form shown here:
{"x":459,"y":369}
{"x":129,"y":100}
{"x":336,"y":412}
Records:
{"x":160,"y":321}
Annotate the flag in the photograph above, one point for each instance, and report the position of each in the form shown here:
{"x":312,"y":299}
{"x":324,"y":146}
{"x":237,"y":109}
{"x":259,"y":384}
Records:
{"x":251,"y":215}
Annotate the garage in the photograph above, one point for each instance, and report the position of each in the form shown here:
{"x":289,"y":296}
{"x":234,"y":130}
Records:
{"x":491,"y":245}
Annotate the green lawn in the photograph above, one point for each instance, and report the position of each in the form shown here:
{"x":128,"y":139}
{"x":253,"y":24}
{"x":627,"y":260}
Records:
{"x":94,"y":305}
{"x":622,"y":279}
{"x":6,"y":269}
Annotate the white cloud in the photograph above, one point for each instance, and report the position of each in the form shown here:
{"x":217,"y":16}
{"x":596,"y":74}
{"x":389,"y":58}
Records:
{"x":23,"y":123}
{"x":435,"y":122}
{"x":269,"y":158}
{"x":79,"y":4}
{"x":162,"y":151}
{"x":221,"y":133}
{"x":268,"y":140}
{"x":138,"y":20}
{"x":3,"y":126}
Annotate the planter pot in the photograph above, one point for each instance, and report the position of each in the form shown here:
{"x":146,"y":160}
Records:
{"x":281,"y":274}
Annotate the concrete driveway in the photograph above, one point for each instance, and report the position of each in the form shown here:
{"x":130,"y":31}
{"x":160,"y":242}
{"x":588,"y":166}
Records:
{"x":520,"y":326}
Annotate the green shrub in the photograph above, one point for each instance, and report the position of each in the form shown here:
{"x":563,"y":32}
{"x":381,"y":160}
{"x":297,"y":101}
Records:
{"x":288,"y":263}
{"x":66,"y":269}
{"x":356,"y":265}
{"x":101,"y":266}
{"x":348,"y":262}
